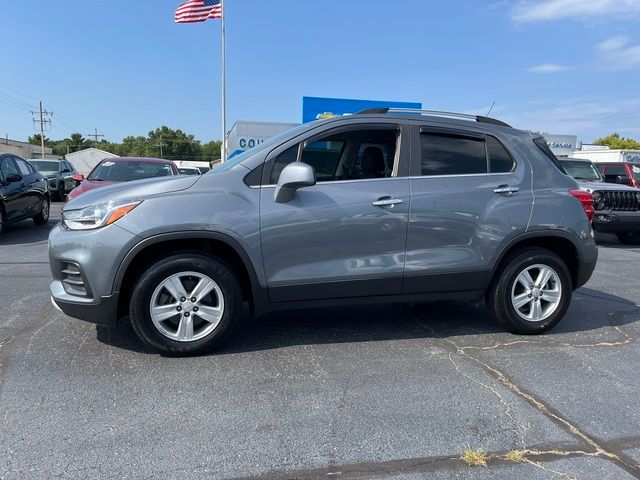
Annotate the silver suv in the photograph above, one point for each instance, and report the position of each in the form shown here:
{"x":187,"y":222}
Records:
{"x":381,"y":206}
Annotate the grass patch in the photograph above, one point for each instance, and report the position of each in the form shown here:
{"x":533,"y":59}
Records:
{"x":516,"y":456}
{"x":474,"y":458}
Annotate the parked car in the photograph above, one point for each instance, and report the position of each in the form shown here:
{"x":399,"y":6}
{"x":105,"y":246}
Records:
{"x":59,"y":174}
{"x":617,"y":206}
{"x":123,"y":169}
{"x":189,"y":171}
{"x":621,"y":173}
{"x":24,"y":192}
{"x":380,"y":206}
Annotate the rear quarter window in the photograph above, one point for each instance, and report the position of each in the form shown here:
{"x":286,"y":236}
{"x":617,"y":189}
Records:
{"x":541,"y":143}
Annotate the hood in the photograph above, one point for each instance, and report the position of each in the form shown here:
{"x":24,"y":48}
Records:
{"x":605,"y":187}
{"x":96,"y":192}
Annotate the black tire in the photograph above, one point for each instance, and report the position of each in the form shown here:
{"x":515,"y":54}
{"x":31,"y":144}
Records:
{"x":499,"y":295}
{"x":3,"y":220}
{"x":629,"y":238}
{"x":59,"y":195}
{"x":43,"y":217}
{"x":139,"y":307}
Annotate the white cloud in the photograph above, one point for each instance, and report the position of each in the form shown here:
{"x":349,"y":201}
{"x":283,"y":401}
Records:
{"x":586,"y":118}
{"x":550,"y":68}
{"x":617,"y":53}
{"x":525,"y":11}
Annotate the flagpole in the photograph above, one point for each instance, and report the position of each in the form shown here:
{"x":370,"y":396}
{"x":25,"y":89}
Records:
{"x":223,"y":156}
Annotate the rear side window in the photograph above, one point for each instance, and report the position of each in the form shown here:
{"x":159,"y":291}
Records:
{"x":23,"y":167}
{"x":499,"y":159}
{"x":541,"y":143}
{"x":451,"y":154}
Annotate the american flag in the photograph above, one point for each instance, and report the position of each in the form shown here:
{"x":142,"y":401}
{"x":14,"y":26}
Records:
{"x":198,"y":11}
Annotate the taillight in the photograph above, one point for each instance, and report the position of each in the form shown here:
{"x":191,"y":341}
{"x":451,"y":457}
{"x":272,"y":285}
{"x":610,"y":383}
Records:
{"x":586,"y":200}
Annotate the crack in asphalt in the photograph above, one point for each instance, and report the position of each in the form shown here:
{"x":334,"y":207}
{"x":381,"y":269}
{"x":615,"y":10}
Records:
{"x":534,"y":456}
{"x":600,"y":448}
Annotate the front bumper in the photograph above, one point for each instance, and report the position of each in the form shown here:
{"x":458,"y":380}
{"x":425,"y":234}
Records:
{"x":103,"y":311}
{"x":615,"y":221}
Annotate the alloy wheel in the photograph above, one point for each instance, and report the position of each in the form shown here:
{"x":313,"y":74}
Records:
{"x":187,"y":306}
{"x":536,"y":293}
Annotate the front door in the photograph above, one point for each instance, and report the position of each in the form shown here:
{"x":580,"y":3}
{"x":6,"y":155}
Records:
{"x":345,"y":236}
{"x":11,"y":191}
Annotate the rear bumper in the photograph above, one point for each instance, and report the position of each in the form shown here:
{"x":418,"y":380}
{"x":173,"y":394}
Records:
{"x":101,"y":311}
{"x":612,"y":222}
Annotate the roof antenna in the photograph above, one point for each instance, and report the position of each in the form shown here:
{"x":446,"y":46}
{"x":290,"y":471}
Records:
{"x":492,"y":105}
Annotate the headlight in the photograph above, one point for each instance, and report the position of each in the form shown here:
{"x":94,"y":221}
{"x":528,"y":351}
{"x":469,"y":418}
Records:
{"x":98,"y":215}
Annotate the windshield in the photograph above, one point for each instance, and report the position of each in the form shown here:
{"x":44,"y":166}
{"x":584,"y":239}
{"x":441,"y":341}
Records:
{"x":582,"y":170}
{"x":128,"y":171}
{"x":43,"y":166}
{"x":258,"y":148}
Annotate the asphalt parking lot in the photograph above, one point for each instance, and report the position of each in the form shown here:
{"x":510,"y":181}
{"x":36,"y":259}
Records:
{"x":367,"y":392}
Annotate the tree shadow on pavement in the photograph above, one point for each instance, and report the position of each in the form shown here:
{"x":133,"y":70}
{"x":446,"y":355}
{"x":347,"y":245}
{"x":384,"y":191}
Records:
{"x":590,"y":310}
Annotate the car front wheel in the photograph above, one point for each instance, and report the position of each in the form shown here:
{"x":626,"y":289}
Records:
{"x":185,"y":304}
{"x":532,"y":293}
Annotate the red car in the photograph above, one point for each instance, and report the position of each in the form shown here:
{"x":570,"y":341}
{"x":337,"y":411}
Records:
{"x":123,"y":169}
{"x":623,"y":173}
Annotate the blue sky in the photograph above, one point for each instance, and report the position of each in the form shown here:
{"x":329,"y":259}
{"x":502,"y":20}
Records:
{"x":124,"y":67}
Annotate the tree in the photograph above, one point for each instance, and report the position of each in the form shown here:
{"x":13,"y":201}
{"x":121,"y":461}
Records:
{"x":36,"y":140}
{"x":616,"y":142}
{"x":211,"y":151}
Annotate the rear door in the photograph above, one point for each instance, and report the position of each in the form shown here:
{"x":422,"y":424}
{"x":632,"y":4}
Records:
{"x":345,"y":236}
{"x":469,"y":194}
{"x":12,"y":192}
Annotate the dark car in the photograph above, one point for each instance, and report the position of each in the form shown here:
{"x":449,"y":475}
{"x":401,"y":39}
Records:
{"x":24,"y":192}
{"x":621,"y":173}
{"x":616,"y":206}
{"x":59,"y":174}
{"x":124,"y":169}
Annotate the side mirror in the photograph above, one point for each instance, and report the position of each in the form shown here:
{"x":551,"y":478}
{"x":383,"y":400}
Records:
{"x":78,"y":179}
{"x":294,"y":176}
{"x":65,"y":170}
{"x":14,"y":177}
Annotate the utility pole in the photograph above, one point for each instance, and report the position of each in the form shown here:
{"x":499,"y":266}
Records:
{"x":43,"y":121}
{"x":95,"y":136}
{"x":161,"y":145}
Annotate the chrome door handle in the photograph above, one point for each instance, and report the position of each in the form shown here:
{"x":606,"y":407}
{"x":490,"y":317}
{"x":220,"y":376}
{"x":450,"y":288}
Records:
{"x":506,"y":190}
{"x":387,"y":202}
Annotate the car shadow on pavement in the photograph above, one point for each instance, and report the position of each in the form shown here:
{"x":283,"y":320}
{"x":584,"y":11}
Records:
{"x":25,"y":232}
{"x":376,"y":323}
{"x":611,"y":241}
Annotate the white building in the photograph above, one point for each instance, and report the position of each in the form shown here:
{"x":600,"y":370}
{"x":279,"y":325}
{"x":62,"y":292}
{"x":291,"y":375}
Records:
{"x":246,"y":134}
{"x":85,"y":160}
{"x":562,"y":145}
{"x":607,"y":155}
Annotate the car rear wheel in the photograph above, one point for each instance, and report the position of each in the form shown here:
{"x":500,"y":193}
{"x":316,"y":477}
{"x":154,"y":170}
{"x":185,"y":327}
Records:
{"x":185,"y":304}
{"x":532,"y":292}
{"x":43,"y":217}
{"x":629,"y":238}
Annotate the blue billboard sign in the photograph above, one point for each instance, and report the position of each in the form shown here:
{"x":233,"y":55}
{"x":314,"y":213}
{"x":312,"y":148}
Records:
{"x":314,"y":108}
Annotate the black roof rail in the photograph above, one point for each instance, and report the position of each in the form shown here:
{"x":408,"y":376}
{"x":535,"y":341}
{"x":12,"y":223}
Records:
{"x":435,"y":113}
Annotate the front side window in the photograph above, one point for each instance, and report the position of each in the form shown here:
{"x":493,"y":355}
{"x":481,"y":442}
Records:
{"x":610,"y":173}
{"x":351,"y":155}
